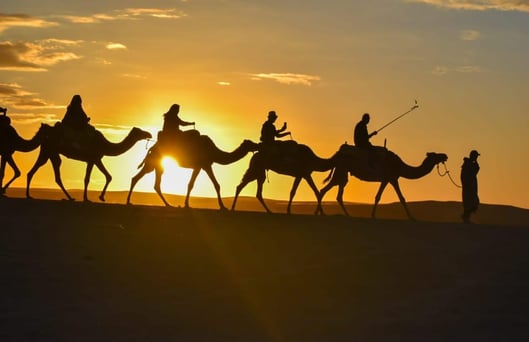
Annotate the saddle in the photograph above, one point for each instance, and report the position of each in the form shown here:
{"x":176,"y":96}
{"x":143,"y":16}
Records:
{"x":77,"y":137}
{"x":280,"y":151}
{"x":371,"y":159}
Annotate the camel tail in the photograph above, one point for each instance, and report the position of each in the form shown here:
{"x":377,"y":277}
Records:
{"x":328,"y":178}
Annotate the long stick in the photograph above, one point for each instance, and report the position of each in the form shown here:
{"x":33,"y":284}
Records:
{"x":398,"y":117}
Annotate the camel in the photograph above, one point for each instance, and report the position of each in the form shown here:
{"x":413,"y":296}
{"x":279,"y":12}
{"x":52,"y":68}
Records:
{"x":299,"y":162}
{"x":54,"y":144}
{"x":387,"y":169}
{"x":195,"y":151}
{"x":10,"y":143}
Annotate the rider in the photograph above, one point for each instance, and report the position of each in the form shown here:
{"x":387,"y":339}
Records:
{"x":6,"y":130}
{"x":172,"y":121}
{"x":269,"y":131}
{"x":361,"y":138}
{"x":76,"y":122}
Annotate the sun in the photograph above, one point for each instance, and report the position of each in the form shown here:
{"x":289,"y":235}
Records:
{"x":175,"y":178}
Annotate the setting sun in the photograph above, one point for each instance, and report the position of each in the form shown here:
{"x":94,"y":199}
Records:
{"x":174,"y":178}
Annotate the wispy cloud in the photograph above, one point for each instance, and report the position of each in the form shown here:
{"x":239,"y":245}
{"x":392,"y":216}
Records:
{"x":21,"y":20}
{"x":32,"y":118}
{"x":126,"y":14}
{"x":112,"y":129}
{"x":223,"y":83}
{"x":443,"y":70}
{"x":287,"y":78}
{"x":14,"y":96}
{"x":34,"y":56}
{"x":470,"y":35}
{"x":116,"y":46}
{"x":479,"y":5}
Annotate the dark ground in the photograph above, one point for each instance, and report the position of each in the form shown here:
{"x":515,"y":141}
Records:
{"x":110,"y":272}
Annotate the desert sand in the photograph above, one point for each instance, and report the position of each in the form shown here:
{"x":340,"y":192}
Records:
{"x":74,"y":271}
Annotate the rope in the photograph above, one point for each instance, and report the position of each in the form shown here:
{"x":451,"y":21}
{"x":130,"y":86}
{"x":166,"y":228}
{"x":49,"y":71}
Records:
{"x":447,"y":173}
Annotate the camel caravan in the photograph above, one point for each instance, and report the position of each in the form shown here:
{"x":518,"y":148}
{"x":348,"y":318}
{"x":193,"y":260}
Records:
{"x":75,"y":138}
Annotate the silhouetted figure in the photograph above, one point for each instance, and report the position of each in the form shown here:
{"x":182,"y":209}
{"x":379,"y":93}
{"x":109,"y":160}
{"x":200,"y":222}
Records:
{"x":172,"y":121}
{"x":7,"y":132}
{"x":270,"y":147}
{"x":469,"y":182}
{"x":362,"y":136}
{"x":75,"y":125}
{"x":75,"y":116}
{"x":269,"y":132}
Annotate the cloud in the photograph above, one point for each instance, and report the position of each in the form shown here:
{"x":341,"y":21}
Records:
{"x":27,"y":56}
{"x":443,"y":70}
{"x":116,"y":46}
{"x":470,"y":35}
{"x":287,"y":78}
{"x":126,"y":14}
{"x":112,"y":129}
{"x":479,"y":5}
{"x":32,"y":118}
{"x":21,"y":20}
{"x":13,"y":95}
{"x":223,"y":83}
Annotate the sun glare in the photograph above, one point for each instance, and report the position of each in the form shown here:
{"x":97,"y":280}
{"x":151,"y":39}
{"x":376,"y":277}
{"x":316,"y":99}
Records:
{"x":175,"y":178}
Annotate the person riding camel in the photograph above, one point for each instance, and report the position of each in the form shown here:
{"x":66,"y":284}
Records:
{"x":269,"y":132}
{"x":171,"y":125}
{"x":7,"y":132}
{"x":75,"y":120}
{"x":361,"y":139}
{"x":269,"y":146}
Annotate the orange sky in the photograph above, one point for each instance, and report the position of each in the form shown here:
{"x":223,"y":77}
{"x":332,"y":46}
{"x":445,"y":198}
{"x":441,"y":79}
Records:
{"x":320,"y":65}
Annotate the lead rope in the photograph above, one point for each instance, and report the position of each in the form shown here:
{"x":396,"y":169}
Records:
{"x":447,"y":173}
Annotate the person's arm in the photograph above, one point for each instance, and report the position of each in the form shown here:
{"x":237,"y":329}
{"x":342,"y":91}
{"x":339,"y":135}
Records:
{"x":372,"y":133}
{"x":280,"y":135}
{"x":282,"y":129}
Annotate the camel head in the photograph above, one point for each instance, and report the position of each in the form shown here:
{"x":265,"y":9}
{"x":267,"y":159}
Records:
{"x":436,"y":158}
{"x":139,"y":134}
{"x":250,"y":146}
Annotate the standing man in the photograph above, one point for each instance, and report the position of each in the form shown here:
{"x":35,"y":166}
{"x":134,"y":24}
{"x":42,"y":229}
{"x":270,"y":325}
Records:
{"x":469,"y":181}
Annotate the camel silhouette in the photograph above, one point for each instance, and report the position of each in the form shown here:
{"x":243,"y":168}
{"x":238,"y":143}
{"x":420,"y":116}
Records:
{"x":9,"y":144}
{"x":389,"y":167}
{"x":299,"y":162}
{"x":54,"y":144}
{"x":195,"y":151}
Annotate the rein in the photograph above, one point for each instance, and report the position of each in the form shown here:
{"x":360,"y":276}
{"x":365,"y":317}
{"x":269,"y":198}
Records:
{"x":447,"y":173}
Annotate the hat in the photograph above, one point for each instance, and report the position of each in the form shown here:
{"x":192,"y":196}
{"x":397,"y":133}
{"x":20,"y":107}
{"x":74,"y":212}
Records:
{"x":272,"y":114}
{"x":474,"y":154}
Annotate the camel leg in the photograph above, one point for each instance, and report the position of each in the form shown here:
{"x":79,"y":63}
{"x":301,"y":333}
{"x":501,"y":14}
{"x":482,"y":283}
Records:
{"x":314,"y":188}
{"x":209,"y":172}
{"x":339,"y":198}
{"x":158,"y":172}
{"x":378,"y":197}
{"x":2,"y":173}
{"x":135,"y":180}
{"x":249,"y":176}
{"x":259,"y":194}
{"x":190,"y":185}
{"x":88,"y":172}
{"x":56,"y":163}
{"x":108,"y":178}
{"x":41,"y":160}
{"x":16,"y":171}
{"x":295,"y":185}
{"x":396,"y":186}
{"x":246,"y":179}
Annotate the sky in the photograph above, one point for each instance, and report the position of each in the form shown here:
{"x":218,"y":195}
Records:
{"x":319,"y":64}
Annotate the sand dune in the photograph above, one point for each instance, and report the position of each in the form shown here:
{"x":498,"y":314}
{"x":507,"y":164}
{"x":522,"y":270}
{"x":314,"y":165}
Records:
{"x":74,"y":271}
